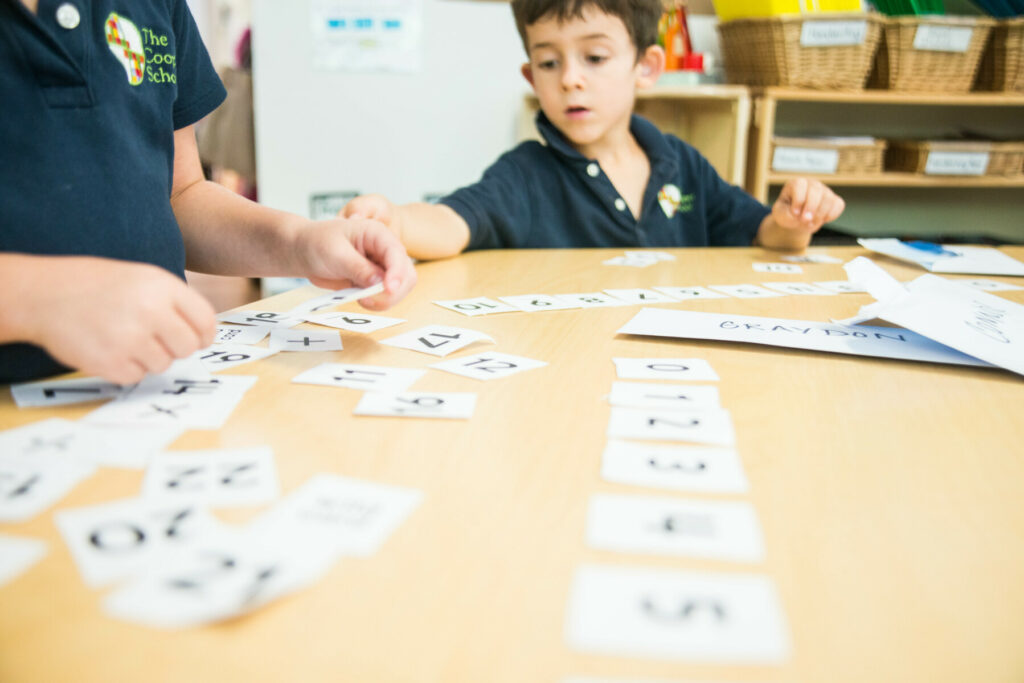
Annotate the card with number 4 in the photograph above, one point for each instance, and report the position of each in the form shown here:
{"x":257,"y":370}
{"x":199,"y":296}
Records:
{"x":417,"y":404}
{"x":488,"y":366}
{"x":437,"y":340}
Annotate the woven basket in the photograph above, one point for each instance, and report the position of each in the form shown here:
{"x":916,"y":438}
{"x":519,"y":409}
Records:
{"x":899,"y":66}
{"x":1004,"y":158}
{"x":1002,"y":63}
{"x":767,"y":51}
{"x":854,"y":158}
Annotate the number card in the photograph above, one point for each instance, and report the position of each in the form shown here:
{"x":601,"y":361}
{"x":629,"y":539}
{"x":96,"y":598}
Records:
{"x":354,"y":322}
{"x":683,"y":293}
{"x":240,"y":334}
{"x":342,"y":296}
{"x":991,"y":285}
{"x":437,"y":340}
{"x":113,"y":541}
{"x":799,"y":288}
{"x":744,"y":291}
{"x":330,"y":516}
{"x":270,"y":319}
{"x":216,"y":478}
{"x":670,"y":526}
{"x":487,"y":366}
{"x":223,"y":356}
{"x":480,"y":305}
{"x":700,"y":616}
{"x":92,"y":444}
{"x":653,"y":255}
{"x":417,"y":404}
{"x":18,"y":555}
{"x":663,"y":396}
{"x":641,"y":296}
{"x":841,"y":287}
{"x":590,"y":300}
{"x":531,"y":303}
{"x":706,"y":470}
{"x":686,"y":369}
{"x":219,"y":576}
{"x":361,"y":377}
{"x":30,"y":485}
{"x":304,"y":340}
{"x":187,"y":404}
{"x":712,"y":427}
{"x":811,"y":258}
{"x":635,"y":261}
{"x":59,"y":392}
{"x":777,"y":268}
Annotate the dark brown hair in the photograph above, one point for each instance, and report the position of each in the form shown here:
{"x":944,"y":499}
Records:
{"x":640,"y":16}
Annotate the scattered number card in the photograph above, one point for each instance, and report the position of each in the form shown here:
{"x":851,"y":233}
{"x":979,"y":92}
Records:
{"x":93,"y":444}
{"x":686,"y":369}
{"x":663,"y":396}
{"x":487,"y":366}
{"x":113,"y":541}
{"x":989,"y":286}
{"x":591,"y":300}
{"x":417,"y":404}
{"x":669,"y":526}
{"x":437,"y":340}
{"x":701,"y":616}
{"x":538,"y":302}
{"x":653,"y":255}
{"x":798,"y":288}
{"x":218,"y":478}
{"x":634,"y":262}
{"x":241,"y":334}
{"x":333,"y":516}
{"x":712,"y":427}
{"x":223,"y":356}
{"x":683,"y":293}
{"x":841,"y":286}
{"x":641,"y":296}
{"x":304,"y":340}
{"x":354,"y":322}
{"x":777,"y":268}
{"x":812,"y":258}
{"x":30,"y":485}
{"x":680,"y":468}
{"x":188,"y":404}
{"x":361,"y":377}
{"x":59,"y":392}
{"x":18,"y":555}
{"x":744,"y":291}
{"x":342,"y":296}
{"x":269,"y":319}
{"x":480,"y":305}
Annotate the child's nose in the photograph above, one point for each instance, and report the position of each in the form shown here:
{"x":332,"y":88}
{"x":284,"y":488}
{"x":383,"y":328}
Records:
{"x":572,"y":77}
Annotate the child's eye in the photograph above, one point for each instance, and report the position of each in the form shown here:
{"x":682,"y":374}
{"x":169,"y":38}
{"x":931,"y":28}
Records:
{"x":596,"y":59}
{"x":547,"y":64}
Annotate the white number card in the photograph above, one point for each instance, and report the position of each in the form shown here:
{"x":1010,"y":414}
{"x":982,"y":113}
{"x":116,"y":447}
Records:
{"x":480,"y":305}
{"x":304,"y":340}
{"x":712,"y":427}
{"x":744,"y":291}
{"x":59,"y":392}
{"x":30,"y":485}
{"x":487,"y":366}
{"x":787,"y":268}
{"x":271,"y":319}
{"x":437,"y":340}
{"x":798,"y":288}
{"x":417,"y":404}
{"x":590,"y":300}
{"x":685,"y":369}
{"x":187,"y":404}
{"x":641,"y":296}
{"x":223,"y":356}
{"x":354,"y":322}
{"x":538,"y":302}
{"x":18,"y":555}
{"x":216,"y":478}
{"x":634,"y":612}
{"x":86,"y":443}
{"x":342,"y":296}
{"x":683,"y":293}
{"x":361,"y":377}
{"x":841,"y":286}
{"x":241,"y":334}
{"x":663,"y":396}
{"x":679,"y":468}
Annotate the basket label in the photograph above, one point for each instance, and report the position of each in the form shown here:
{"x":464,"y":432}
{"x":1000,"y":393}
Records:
{"x":805,"y":160}
{"x":833,"y":33}
{"x":956,"y":163}
{"x":943,"y":38}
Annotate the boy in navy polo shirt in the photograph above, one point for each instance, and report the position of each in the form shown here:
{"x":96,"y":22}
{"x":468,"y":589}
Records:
{"x":102,"y":196}
{"x":606,"y":178}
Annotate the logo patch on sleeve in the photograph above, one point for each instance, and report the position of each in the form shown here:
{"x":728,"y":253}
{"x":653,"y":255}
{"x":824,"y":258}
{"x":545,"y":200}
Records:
{"x":125,"y":42}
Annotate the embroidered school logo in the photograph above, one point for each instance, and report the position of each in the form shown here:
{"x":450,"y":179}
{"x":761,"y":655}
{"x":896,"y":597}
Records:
{"x":669,"y":197}
{"x":125,"y":41}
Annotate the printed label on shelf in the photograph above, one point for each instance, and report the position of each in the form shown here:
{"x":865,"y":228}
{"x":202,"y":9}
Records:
{"x":943,"y":38}
{"x":956,"y":163}
{"x":805,"y":160}
{"x":832,"y":33}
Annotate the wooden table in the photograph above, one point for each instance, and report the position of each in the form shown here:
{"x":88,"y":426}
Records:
{"x":891,"y":495}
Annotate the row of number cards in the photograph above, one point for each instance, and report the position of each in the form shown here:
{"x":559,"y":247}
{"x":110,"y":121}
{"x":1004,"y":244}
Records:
{"x":643,"y":612}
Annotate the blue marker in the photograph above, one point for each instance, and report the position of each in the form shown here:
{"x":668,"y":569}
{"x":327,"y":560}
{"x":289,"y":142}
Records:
{"x":931,"y":248}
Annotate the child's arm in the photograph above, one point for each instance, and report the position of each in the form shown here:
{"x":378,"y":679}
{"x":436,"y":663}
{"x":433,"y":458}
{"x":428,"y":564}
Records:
{"x":803,"y":206}
{"x":428,"y":231}
{"x":228,"y":235}
{"x":115,"y":319}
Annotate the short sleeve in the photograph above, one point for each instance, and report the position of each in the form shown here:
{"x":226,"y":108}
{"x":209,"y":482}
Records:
{"x":733,"y":216}
{"x":497,"y":207}
{"x":199,"y":88}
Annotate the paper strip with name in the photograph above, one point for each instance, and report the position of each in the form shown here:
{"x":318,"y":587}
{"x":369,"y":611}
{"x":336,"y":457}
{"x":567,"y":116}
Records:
{"x":860,"y":340}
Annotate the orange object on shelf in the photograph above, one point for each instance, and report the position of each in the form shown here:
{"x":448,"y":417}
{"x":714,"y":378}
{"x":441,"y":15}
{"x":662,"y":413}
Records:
{"x":675,"y":35}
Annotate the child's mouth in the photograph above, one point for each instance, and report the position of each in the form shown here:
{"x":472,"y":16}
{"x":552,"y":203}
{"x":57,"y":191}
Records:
{"x":576,"y":112}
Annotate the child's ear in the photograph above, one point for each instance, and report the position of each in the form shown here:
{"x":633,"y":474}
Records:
{"x":651,"y":65}
{"x":527,"y":72}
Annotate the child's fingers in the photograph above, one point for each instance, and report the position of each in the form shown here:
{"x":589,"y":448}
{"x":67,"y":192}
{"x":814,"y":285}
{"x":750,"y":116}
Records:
{"x":796,"y":195}
{"x":197,"y":312}
{"x":815,"y":195}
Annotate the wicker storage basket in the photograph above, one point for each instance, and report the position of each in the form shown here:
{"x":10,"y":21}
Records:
{"x":767,"y":51}
{"x":901,"y":66}
{"x":854,"y":156}
{"x":1002,"y":63}
{"x":1004,"y":158}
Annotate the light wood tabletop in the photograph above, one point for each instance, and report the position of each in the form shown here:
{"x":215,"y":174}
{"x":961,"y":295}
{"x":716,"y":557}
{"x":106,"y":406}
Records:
{"x":890,"y":494}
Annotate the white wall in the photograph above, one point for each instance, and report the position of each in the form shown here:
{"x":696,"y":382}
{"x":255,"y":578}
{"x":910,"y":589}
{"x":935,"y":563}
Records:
{"x":403,"y":135}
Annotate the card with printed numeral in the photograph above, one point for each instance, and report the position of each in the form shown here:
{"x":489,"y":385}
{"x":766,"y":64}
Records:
{"x":18,"y":555}
{"x":28,"y":486}
{"x":437,"y":340}
{"x":354,"y":322}
{"x":223,"y":356}
{"x":678,"y":369}
{"x":591,"y":300}
{"x":799,"y":288}
{"x":166,"y":402}
{"x":683,"y":293}
{"x":361,"y":377}
{"x":663,"y":396}
{"x":86,"y":443}
{"x":487,"y":366}
{"x":457,"y":406}
{"x":480,"y":305}
{"x":216,"y":478}
{"x":531,"y":303}
{"x":712,"y":427}
{"x":59,"y":392}
{"x":787,"y":268}
{"x":305,"y":340}
{"x":240,"y":334}
{"x":272,"y":319}
{"x":745,"y":291}
{"x":679,"y":468}
{"x":640,"y":296}
{"x":332,"y":299}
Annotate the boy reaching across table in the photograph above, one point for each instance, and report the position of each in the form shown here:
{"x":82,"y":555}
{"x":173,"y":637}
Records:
{"x":606,"y":177}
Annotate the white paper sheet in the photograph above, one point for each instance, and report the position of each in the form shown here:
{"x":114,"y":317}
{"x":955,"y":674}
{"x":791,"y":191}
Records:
{"x":968,"y":260}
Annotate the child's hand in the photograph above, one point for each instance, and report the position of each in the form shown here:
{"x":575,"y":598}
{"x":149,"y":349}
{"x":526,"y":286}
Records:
{"x":373,"y":206}
{"x":115,"y":319}
{"x":341,"y":252}
{"x":806,"y":204}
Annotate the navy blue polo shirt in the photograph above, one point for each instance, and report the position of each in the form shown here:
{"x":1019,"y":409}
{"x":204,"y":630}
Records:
{"x":91,"y":96}
{"x":542,"y":196}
